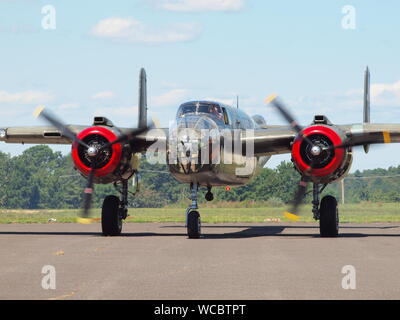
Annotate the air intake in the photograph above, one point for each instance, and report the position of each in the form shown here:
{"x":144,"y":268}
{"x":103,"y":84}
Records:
{"x":102,"y":121}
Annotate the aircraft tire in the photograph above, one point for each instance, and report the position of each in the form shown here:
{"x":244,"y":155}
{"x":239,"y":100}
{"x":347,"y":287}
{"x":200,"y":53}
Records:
{"x":111,"y":222}
{"x":329,"y":217}
{"x":194,"y":225}
{"x":209,"y":196}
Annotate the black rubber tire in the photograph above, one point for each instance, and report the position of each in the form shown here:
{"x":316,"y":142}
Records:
{"x":111,"y":222}
{"x":329,"y":217}
{"x":194,"y":225}
{"x":209,"y":196}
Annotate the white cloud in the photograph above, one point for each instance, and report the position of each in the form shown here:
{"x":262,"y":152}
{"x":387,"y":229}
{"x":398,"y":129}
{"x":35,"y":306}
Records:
{"x":386,"y":94}
{"x":382,"y":94}
{"x":25,"y":97}
{"x":173,"y":97}
{"x":68,"y":106}
{"x":229,"y":102}
{"x":103,"y":95}
{"x":117,"y":111}
{"x":131,"y":30}
{"x":347,"y":106}
{"x":200,"y":5}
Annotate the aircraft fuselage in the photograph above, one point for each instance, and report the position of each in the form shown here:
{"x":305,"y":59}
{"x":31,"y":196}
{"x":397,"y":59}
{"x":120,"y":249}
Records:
{"x":206,"y":147}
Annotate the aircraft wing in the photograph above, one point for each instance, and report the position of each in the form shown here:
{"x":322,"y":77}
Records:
{"x":50,"y":135}
{"x":37,"y":134}
{"x":371,"y":133}
{"x":271,"y":140}
{"x":144,"y":140}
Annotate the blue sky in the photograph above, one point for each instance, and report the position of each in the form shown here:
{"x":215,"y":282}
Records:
{"x":200,"y":49}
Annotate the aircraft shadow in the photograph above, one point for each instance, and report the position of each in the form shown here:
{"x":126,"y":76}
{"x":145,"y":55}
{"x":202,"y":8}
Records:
{"x":246,"y":232}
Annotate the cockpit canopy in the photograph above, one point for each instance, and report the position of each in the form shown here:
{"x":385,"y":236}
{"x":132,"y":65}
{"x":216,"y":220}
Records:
{"x":201,"y":107}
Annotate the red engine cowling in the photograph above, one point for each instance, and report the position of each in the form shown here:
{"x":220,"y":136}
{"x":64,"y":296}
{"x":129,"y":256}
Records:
{"x":330,"y":164}
{"x":112,"y":164}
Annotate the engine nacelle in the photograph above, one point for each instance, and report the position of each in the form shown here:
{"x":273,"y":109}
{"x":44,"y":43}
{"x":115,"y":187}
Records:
{"x":330,"y":164}
{"x":112,"y":164}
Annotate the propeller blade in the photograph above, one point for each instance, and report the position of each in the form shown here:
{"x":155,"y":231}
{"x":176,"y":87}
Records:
{"x":41,"y":112}
{"x":301,"y":191}
{"x":299,"y":195}
{"x":87,"y":198}
{"x":125,"y":137}
{"x":273,"y":99}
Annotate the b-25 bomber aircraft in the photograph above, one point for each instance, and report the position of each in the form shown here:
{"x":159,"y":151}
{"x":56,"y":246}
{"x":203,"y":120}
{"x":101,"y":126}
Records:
{"x":210,"y":144}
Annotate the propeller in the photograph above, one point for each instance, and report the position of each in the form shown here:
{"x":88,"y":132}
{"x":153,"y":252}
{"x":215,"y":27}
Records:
{"x":41,"y":112}
{"x":273,"y":99}
{"x":315,"y":150}
{"x":298,"y":198}
{"x":92,"y":151}
{"x":356,"y":139}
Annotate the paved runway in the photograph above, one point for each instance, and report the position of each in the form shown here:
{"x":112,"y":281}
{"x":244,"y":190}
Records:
{"x":231,"y":261}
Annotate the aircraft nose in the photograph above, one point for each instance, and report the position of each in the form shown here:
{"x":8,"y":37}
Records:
{"x":196,"y":122}
{"x":193,"y":129}
{"x":192,"y":132}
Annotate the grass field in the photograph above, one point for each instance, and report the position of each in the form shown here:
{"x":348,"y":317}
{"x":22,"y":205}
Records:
{"x":358,"y":213}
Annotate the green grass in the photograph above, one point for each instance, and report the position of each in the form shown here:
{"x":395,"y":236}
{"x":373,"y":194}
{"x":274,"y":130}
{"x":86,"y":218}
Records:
{"x":358,"y":213}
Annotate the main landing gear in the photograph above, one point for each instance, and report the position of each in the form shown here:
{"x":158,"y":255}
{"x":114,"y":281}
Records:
{"x":326,"y":212}
{"x":114,"y":210}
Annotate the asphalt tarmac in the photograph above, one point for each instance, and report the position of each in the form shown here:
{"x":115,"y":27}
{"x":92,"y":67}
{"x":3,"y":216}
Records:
{"x":230,"y":261}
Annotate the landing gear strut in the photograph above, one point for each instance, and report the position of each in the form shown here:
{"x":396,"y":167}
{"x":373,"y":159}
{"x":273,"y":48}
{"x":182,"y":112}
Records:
{"x":114,"y":210}
{"x":326,"y":212}
{"x":193,"y":222}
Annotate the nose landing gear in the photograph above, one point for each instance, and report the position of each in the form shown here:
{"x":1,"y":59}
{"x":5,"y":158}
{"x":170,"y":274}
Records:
{"x":193,"y":221}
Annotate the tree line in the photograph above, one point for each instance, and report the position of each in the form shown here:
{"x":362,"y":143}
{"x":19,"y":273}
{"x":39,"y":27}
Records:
{"x":42,"y":178}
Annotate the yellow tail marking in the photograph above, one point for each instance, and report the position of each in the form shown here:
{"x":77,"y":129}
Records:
{"x":291,"y":216}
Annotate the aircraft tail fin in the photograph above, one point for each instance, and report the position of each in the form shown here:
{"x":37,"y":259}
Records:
{"x":142,"y":106}
{"x":366,"y":115}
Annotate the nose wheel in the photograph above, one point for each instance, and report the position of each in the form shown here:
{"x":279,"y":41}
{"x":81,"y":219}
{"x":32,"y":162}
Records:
{"x":193,"y":221}
{"x":193,"y":225}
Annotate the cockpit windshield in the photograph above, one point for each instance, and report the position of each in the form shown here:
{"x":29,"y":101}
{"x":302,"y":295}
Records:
{"x":199,"y":107}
